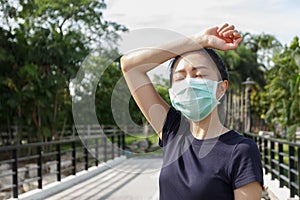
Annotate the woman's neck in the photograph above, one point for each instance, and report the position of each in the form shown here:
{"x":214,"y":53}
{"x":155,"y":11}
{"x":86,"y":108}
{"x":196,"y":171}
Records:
{"x":209,"y":127}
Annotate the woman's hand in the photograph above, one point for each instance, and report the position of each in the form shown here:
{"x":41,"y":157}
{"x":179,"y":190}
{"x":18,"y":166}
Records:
{"x":224,"y":37}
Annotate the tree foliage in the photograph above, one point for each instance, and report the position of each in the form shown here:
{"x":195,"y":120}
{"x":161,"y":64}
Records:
{"x":282,"y":91}
{"x":251,"y":59}
{"x":44,"y":42}
{"x":42,"y":45}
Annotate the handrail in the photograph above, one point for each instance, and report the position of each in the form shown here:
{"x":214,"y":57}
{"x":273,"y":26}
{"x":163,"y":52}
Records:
{"x":101,"y":147}
{"x":281,"y":159}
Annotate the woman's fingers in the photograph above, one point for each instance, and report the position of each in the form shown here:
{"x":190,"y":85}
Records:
{"x":225,"y":37}
{"x":232,"y":45}
{"x":232,"y":34}
{"x":228,"y":33}
{"x":237,"y":41}
{"x":236,"y":34}
{"x":224,"y":28}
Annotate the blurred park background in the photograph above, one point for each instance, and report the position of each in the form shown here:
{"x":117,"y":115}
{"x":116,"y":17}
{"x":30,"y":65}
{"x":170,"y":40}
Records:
{"x":44,"y":42}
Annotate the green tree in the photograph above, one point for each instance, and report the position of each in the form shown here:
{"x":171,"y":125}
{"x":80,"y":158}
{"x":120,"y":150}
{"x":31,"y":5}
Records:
{"x":44,"y":43}
{"x":162,"y":86}
{"x":282,"y":94}
{"x":243,"y":63}
{"x":251,"y":59}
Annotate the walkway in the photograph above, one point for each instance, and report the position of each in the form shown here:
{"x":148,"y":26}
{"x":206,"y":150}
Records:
{"x":114,"y":183}
{"x":132,"y":179}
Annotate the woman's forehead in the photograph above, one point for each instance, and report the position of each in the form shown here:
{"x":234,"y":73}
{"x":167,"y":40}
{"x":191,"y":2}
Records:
{"x":194,"y":59}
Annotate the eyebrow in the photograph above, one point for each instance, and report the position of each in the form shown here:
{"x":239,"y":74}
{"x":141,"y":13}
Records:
{"x":200,"y":67}
{"x":194,"y":68}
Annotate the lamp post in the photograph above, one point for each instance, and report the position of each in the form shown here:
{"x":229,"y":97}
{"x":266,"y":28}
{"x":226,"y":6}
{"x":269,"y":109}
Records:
{"x":248,"y":84}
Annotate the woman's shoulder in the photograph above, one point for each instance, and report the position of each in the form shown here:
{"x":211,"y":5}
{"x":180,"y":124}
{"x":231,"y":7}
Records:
{"x":245,"y":146}
{"x":238,"y":141}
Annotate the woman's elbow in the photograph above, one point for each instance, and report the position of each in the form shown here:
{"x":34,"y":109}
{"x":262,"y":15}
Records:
{"x":125,"y":66}
{"x":130,"y":62}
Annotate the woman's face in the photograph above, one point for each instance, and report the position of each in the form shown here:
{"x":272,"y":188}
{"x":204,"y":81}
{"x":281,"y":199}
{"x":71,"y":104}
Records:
{"x":198,"y":64}
{"x":195,"y":65}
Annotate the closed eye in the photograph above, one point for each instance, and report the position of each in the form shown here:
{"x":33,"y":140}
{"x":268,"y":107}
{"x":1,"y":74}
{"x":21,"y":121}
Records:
{"x":178,"y":76}
{"x":200,"y":75}
{"x":178,"y":79}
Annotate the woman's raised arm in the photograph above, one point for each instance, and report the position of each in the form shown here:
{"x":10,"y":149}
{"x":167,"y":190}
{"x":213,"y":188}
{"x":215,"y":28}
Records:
{"x":136,"y":64}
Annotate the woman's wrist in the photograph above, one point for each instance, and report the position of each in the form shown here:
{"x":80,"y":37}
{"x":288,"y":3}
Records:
{"x":200,"y":40}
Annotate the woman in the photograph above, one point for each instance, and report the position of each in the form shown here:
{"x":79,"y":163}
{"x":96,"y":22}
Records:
{"x":202,"y":158}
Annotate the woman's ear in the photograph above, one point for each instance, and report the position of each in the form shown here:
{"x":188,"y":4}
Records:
{"x":221,"y":89}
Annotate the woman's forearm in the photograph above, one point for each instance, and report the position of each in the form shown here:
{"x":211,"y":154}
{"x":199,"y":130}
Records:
{"x":146,"y":59}
{"x":222,"y":38}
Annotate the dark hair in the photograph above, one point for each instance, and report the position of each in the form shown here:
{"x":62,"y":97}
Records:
{"x":214,"y":56}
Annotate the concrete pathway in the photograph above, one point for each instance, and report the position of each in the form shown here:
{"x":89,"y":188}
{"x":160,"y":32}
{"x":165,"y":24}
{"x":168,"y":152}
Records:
{"x":129,"y":179}
{"x":133,"y":179}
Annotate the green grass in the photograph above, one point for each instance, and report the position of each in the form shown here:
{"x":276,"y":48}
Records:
{"x":153,"y":141}
{"x":152,"y":138}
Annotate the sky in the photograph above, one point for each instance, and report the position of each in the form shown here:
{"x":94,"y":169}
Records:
{"x":277,"y":17}
{"x":280,"y":18}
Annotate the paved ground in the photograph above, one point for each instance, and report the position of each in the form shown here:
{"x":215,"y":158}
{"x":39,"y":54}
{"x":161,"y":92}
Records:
{"x":137,"y":179}
{"x":133,"y":179}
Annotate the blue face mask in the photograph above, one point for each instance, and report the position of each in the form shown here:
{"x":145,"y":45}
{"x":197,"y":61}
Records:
{"x":195,"y":98}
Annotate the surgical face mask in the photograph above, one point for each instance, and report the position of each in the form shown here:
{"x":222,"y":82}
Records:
{"x":195,"y":98}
